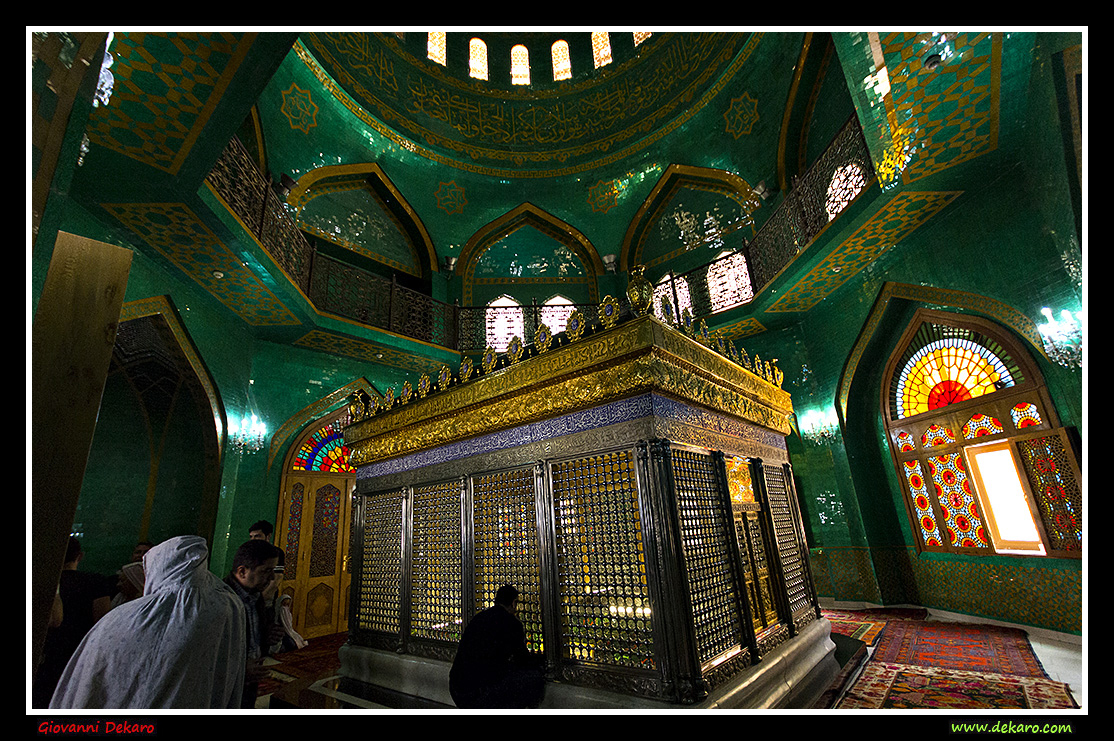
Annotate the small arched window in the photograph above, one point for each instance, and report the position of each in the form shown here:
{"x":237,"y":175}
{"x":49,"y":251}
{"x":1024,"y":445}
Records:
{"x":980,"y":455}
{"x":324,"y":450}
{"x":477,"y":59}
{"x":562,"y":63}
{"x":505,"y":320}
{"x":435,"y":46}
{"x":601,"y":48}
{"x":520,"y":65}
{"x":729,"y":281}
{"x":555,"y":313}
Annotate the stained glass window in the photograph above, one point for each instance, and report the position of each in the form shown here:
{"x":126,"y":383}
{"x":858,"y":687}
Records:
{"x":959,"y":506}
{"x":980,"y":425}
{"x":562,"y":63}
{"x":930,"y":533}
{"x":945,"y":365}
{"x":324,"y":450}
{"x":1025,"y":415}
{"x":477,"y":59}
{"x":520,"y":65}
{"x":937,"y":435}
{"x":601,"y":48}
{"x":435,"y":46}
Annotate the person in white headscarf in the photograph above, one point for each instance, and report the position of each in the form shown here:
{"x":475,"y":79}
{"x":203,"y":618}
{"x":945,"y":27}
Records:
{"x":181,"y":645}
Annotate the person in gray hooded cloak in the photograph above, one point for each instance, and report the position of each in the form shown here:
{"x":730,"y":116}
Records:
{"x":181,"y":645}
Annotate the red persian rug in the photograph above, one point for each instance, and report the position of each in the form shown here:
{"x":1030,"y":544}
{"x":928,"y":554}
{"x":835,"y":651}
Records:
{"x":977,"y":648}
{"x":884,"y":685}
{"x":317,"y":658}
{"x":867,"y":625}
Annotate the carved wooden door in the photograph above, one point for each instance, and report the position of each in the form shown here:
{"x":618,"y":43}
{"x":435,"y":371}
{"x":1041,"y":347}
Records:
{"x":314,"y":531}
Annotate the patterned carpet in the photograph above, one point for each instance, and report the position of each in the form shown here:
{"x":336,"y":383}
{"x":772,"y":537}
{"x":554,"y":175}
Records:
{"x":954,"y":666}
{"x":867,"y":625}
{"x":319,"y":657}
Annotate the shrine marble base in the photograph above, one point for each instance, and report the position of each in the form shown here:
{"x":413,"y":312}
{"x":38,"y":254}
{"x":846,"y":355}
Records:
{"x":793,"y":675}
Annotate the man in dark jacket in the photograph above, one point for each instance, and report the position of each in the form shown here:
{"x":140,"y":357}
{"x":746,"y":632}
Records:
{"x":253,"y":568}
{"x":493,"y":668}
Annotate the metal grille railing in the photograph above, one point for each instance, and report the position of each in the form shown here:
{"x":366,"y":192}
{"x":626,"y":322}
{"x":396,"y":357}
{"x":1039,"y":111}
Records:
{"x":347,"y":291}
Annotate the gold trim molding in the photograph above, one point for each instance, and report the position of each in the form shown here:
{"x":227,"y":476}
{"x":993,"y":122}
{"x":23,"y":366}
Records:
{"x":636,"y":357}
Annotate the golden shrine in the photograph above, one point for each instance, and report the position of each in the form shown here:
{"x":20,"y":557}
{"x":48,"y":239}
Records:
{"x":632,"y":480}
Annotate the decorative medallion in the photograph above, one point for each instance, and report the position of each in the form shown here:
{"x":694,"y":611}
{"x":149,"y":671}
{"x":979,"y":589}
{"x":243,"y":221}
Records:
{"x":574,"y":328}
{"x":702,"y":333}
{"x":687,"y":321}
{"x":423,"y":385}
{"x":741,"y":115}
{"x":543,"y":337}
{"x":299,"y":108}
{"x":450,"y":198}
{"x":639,"y":291}
{"x":667,"y":312}
{"x":466,"y":368}
{"x":609,"y":311}
{"x":444,"y":377}
{"x":356,"y":408}
{"x":490,"y":358}
{"x":604,"y":195}
{"x":514,"y":349}
{"x":406,"y":394}
{"x":388,"y":399}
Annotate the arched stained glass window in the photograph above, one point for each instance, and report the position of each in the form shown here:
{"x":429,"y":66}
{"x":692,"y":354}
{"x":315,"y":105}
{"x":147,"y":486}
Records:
{"x":324,"y":451}
{"x":477,"y":59}
{"x":562,"y":63}
{"x":601,"y":48}
{"x":435,"y":46}
{"x":945,"y":365}
{"x":981,"y":491}
{"x":520,"y":65}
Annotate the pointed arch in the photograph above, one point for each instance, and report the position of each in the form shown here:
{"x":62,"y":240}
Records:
{"x":526,"y":215}
{"x":675,"y":178}
{"x":373,"y":178}
{"x":300,"y":422}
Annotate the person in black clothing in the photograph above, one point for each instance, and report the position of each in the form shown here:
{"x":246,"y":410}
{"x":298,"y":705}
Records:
{"x":86,"y":598}
{"x":493,"y":668}
{"x":253,"y":569}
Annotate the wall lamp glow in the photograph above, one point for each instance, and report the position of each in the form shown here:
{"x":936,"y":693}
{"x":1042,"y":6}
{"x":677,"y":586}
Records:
{"x":247,"y":435}
{"x":818,"y":426}
{"x":1063,"y":337}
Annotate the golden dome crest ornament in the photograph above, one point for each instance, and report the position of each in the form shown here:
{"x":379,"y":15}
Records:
{"x":543,"y":337}
{"x":406,"y":394}
{"x":356,"y":407}
{"x":466,"y":368}
{"x":514,"y":349}
{"x":489,"y":360}
{"x":388,"y":399}
{"x":574,"y":328}
{"x":702,"y":333}
{"x":444,"y":377}
{"x":423,"y":385}
{"x":720,"y":344}
{"x":639,"y":291}
{"x":609,"y":311}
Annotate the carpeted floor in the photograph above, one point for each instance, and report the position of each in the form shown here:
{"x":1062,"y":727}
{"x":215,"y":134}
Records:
{"x":318,"y":658}
{"x":867,"y":625}
{"x":953,"y":666}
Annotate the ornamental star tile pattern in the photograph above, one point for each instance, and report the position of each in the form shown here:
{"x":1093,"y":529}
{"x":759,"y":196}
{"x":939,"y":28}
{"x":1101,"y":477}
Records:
{"x":299,"y":108}
{"x":953,"y":108}
{"x":741,"y":115}
{"x":164,"y":91}
{"x":894,"y":222}
{"x":184,"y":239}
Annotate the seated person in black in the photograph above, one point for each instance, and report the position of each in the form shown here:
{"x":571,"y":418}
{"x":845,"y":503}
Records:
{"x":493,"y":668}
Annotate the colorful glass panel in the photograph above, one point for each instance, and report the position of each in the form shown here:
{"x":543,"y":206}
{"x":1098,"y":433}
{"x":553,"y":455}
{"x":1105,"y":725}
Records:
{"x":981,"y":425}
{"x":943,"y":365}
{"x":958,"y":504}
{"x":1025,"y":414}
{"x":930,"y":532}
{"x":324,"y":450}
{"x":937,"y":435}
{"x":905,"y":442}
{"x":1057,"y":490}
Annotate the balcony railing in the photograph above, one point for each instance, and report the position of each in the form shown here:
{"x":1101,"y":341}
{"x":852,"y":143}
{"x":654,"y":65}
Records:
{"x":343,"y":290}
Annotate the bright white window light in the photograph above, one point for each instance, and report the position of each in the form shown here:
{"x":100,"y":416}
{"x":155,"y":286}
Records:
{"x":1007,"y":508}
